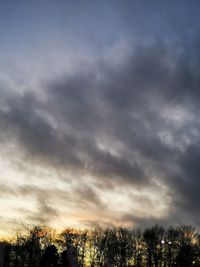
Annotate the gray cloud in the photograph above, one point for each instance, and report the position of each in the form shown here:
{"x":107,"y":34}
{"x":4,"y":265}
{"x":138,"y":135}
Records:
{"x":123,"y":125}
{"x":45,"y":212}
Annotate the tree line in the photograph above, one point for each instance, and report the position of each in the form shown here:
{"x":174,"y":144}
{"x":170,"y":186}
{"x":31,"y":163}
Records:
{"x":41,"y":246}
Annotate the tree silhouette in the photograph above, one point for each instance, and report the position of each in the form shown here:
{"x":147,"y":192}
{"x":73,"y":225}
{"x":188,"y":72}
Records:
{"x":50,"y":257}
{"x":153,"y":238}
{"x":40,"y":246}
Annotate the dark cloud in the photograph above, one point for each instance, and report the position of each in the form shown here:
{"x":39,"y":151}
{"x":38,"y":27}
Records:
{"x":144,"y":222}
{"x":45,"y":212}
{"x":123,"y":125}
{"x":85,"y":196}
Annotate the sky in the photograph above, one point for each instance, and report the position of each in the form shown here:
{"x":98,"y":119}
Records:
{"x":99,"y":113}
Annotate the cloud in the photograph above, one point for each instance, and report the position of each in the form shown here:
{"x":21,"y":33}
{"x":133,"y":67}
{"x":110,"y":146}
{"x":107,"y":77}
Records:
{"x":45,"y":212}
{"x":113,"y":123}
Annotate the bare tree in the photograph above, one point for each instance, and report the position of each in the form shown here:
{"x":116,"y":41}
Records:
{"x":153,"y":238}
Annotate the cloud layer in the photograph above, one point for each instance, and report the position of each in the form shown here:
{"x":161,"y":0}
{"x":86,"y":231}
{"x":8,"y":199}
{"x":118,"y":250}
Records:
{"x":130,"y":125}
{"x":111,"y":138}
